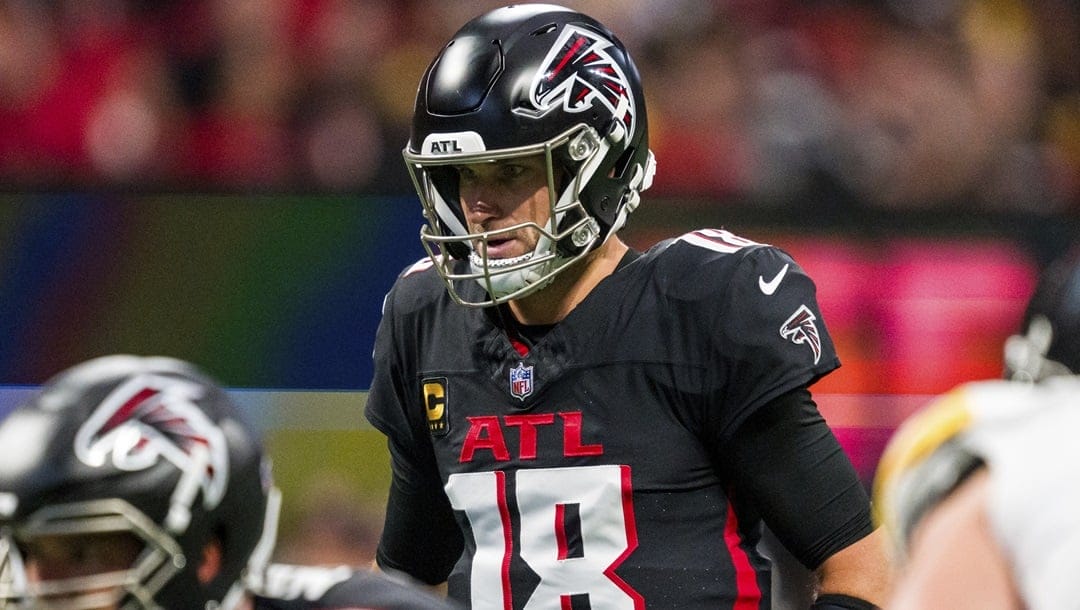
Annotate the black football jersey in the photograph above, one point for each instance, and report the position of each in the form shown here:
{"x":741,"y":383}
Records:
{"x":587,"y":471}
{"x":290,"y":587}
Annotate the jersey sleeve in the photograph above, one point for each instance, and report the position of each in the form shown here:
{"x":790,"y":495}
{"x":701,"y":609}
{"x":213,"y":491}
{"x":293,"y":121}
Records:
{"x":787,"y":462}
{"x":767,"y":332}
{"x":389,"y":403}
{"x":420,"y":536}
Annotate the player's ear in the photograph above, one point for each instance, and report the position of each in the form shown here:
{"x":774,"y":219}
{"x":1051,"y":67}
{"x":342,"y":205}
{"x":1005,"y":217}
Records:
{"x":210,"y":565}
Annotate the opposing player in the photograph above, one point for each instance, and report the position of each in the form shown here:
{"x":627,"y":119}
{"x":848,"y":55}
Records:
{"x":1049,"y":344}
{"x":572,"y":423}
{"x":978,"y":489}
{"x":131,"y":482}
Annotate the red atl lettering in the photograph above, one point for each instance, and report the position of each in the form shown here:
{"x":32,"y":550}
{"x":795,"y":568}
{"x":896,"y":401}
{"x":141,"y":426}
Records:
{"x":486,"y":433}
{"x":527,"y":431}
{"x":572,"y":446}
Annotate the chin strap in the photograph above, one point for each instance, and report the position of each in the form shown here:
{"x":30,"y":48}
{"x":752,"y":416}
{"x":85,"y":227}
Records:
{"x":640,"y":181}
{"x":254,"y":576}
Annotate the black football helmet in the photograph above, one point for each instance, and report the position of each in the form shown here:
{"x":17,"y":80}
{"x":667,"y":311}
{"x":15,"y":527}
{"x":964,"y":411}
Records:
{"x":529,"y":79}
{"x":1050,"y":345}
{"x":147,"y":448}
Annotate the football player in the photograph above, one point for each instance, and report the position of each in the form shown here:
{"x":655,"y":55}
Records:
{"x":573,"y":423}
{"x":978,"y":489}
{"x":131,"y":482}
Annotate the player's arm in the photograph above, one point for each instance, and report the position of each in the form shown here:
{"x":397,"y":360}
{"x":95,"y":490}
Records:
{"x":953,"y":560}
{"x":856,"y":573}
{"x":420,"y":538}
{"x":788,"y":464}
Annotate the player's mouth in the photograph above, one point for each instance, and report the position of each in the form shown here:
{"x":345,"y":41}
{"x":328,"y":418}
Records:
{"x":502,"y":247}
{"x":501,"y":243}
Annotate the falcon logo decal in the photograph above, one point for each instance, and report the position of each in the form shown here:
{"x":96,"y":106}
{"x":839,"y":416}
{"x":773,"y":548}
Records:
{"x":150,"y":418}
{"x":578,"y":71}
{"x":800,"y":329}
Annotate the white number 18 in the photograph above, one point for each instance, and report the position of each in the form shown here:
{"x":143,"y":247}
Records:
{"x":602,"y":499}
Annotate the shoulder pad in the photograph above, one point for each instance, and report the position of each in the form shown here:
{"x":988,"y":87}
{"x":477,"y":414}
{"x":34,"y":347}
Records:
{"x":697,"y":264}
{"x":417,"y":286}
{"x":418,"y":267}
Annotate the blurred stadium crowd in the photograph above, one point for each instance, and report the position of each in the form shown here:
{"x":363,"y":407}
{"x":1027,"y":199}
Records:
{"x":884,"y":103}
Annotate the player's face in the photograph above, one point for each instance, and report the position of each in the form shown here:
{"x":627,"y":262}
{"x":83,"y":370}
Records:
{"x":55,"y":558}
{"x":500,"y":194}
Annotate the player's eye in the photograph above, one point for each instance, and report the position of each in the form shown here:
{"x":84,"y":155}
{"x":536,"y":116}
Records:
{"x":510,"y":171}
{"x":466,"y":175}
{"x":76,"y":555}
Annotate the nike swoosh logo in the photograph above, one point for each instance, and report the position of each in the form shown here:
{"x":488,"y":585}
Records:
{"x":770,"y":286}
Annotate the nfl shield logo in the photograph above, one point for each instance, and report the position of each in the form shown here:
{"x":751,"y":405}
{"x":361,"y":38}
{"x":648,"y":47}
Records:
{"x":521,"y":381}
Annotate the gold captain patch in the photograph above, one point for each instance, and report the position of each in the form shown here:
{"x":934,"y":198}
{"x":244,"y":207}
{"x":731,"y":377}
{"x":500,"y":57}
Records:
{"x":435,"y":403}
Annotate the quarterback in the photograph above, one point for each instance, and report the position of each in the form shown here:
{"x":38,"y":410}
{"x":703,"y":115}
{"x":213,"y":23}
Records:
{"x":574,"y":424}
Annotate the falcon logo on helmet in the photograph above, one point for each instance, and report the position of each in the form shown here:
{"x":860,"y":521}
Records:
{"x":800,"y":329}
{"x":150,"y":417}
{"x":577,"y":71}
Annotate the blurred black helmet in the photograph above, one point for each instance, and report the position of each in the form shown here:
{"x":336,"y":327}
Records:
{"x":1050,"y":343}
{"x":148,"y":448}
{"x":530,"y":79}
